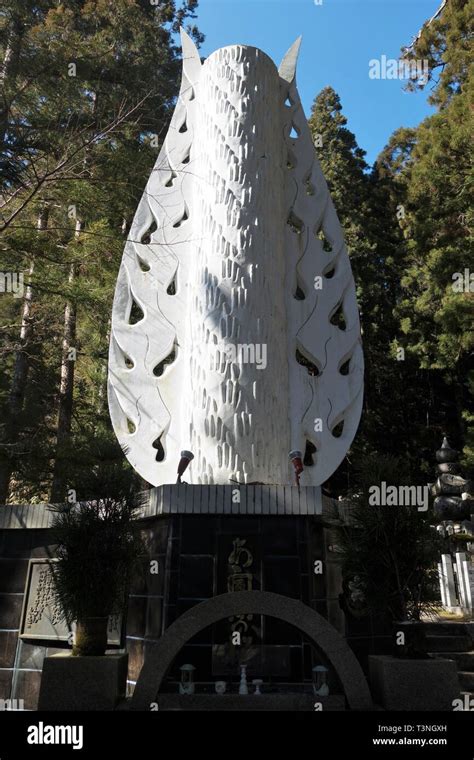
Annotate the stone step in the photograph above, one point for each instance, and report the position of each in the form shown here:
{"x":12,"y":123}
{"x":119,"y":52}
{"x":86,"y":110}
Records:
{"x":445,"y":643}
{"x":464,"y":660}
{"x":466,"y":680}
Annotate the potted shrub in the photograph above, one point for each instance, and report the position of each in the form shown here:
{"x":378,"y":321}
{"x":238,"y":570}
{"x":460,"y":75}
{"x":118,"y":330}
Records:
{"x":98,"y":548}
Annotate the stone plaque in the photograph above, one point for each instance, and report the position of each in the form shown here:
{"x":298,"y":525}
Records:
{"x":42,"y":616}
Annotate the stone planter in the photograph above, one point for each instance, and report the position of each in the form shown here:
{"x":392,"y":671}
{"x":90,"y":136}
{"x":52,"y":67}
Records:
{"x":399,"y":684}
{"x":83,"y":683}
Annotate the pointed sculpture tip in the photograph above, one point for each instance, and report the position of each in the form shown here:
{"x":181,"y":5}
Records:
{"x":184,"y":36}
{"x":187,"y":43}
{"x":191,"y":57}
{"x":287,"y":68}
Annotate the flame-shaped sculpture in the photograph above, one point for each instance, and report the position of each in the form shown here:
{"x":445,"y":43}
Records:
{"x":235,"y":330}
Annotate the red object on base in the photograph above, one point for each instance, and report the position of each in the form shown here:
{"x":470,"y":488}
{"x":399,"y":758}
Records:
{"x":297,"y":462}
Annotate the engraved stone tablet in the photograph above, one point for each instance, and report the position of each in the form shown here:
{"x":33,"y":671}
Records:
{"x":42,"y":616}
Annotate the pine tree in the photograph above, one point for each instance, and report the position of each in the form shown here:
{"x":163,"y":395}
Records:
{"x":88,"y":98}
{"x":445,"y":42}
{"x":436,"y":310}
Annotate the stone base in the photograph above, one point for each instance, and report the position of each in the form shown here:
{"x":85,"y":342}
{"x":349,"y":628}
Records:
{"x":251,"y":702}
{"x":184,"y":498}
{"x":413,"y":684}
{"x":83,"y":683}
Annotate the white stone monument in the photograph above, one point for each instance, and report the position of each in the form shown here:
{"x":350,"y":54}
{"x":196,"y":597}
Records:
{"x":464,"y":581}
{"x":235,"y":329}
{"x":448,"y":587}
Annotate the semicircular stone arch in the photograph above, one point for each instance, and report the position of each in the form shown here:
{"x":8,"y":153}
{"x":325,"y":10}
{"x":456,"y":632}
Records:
{"x":162,"y":654}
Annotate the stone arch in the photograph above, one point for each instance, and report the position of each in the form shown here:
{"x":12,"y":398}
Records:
{"x":162,"y":654}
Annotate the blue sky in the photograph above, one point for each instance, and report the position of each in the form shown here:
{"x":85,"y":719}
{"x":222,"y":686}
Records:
{"x":340,"y":37}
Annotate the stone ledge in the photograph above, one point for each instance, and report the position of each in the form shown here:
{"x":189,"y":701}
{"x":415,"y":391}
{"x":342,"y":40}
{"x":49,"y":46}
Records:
{"x":25,"y":516}
{"x":255,"y":500}
{"x":193,"y":500}
{"x":250,"y":702}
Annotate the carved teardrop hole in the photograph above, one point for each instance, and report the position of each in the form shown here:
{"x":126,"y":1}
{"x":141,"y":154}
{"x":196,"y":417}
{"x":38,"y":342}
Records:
{"x":160,"y":452}
{"x":184,"y":217}
{"x":310,"y":188}
{"x":185,"y":160}
{"x":305,"y":362}
{"x":172,"y":179}
{"x":131,"y":426}
{"x":144,"y":266}
{"x":136,"y":313}
{"x":146,"y":237}
{"x":329,"y":273}
{"x":337,"y":318}
{"x":288,"y":101}
{"x":161,"y":366}
{"x":326,"y":244}
{"x":295,"y":224}
{"x":299,"y":293}
{"x":294,"y":133}
{"x":171,"y":289}
{"x":129,"y":363}
{"x":309,"y":452}
{"x":345,"y":367}
{"x":183,"y":127}
{"x":290,"y":160}
{"x":338,"y":429}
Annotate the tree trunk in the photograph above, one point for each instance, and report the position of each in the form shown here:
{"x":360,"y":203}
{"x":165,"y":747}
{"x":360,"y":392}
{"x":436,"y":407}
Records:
{"x":8,"y":70}
{"x":102,"y":392}
{"x":66,"y":391}
{"x":19,"y":380}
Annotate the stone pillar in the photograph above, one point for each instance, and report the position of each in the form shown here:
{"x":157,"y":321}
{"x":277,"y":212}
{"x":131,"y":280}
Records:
{"x":465,"y":595}
{"x":448,"y":580}
{"x":441,"y":584}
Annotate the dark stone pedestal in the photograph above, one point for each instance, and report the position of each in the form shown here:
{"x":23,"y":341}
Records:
{"x":398,"y":684}
{"x":83,"y":683}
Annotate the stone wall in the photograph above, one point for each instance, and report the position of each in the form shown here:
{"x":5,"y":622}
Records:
{"x":21,"y":662}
